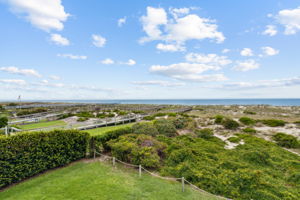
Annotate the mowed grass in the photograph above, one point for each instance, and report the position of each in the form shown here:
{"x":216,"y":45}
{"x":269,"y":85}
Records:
{"x":42,"y":125}
{"x":102,"y":130}
{"x":99,"y":181}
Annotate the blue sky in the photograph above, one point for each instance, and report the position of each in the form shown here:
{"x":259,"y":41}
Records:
{"x":138,"y":49}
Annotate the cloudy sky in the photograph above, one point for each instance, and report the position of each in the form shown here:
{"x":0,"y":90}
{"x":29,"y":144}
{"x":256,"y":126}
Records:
{"x":138,"y":49}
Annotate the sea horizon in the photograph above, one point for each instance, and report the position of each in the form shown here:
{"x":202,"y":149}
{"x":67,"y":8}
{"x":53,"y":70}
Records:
{"x":216,"y":101}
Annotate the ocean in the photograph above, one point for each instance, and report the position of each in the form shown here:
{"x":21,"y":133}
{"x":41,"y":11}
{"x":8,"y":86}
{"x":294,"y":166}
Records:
{"x":273,"y":102}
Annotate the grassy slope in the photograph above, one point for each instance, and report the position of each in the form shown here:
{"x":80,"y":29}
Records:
{"x":99,"y":181}
{"x":100,"y":131}
{"x":42,"y":125}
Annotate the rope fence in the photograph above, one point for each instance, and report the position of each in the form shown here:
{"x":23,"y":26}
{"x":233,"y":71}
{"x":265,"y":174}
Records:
{"x":182,"y":179}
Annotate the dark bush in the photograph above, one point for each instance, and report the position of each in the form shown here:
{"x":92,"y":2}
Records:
{"x":219,"y":119}
{"x":205,"y":133}
{"x":230,"y":124}
{"x":285,"y":140}
{"x":165,"y":127}
{"x":138,"y":149}
{"x":27,"y":154}
{"x":99,"y":142}
{"x":180,"y":123}
{"x":247,"y":121}
{"x":146,"y":128}
{"x":234,"y":139}
{"x":3,"y":121}
{"x":249,"y":130}
{"x":273,"y":122}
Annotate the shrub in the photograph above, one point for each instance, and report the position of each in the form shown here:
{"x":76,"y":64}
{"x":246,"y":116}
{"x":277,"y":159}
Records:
{"x":273,"y":122}
{"x":257,"y":157}
{"x":180,"y":123}
{"x":149,"y":118}
{"x":146,"y":128}
{"x":247,"y":121}
{"x":230,"y":124}
{"x":165,"y":127}
{"x":205,"y":133}
{"x":82,"y":119}
{"x":26,"y":154}
{"x":219,"y":119}
{"x":249,"y":112}
{"x":249,"y":130}
{"x":85,"y":114}
{"x":3,"y":121}
{"x":285,"y":140}
{"x":138,"y":149}
{"x":99,"y":142}
{"x":234,"y":139}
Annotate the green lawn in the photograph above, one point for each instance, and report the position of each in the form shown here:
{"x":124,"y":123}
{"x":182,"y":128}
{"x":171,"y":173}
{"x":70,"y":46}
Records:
{"x":42,"y":125}
{"x":99,"y":181}
{"x":100,"y":131}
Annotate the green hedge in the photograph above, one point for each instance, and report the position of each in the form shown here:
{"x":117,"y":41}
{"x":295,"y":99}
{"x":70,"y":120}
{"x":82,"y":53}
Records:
{"x":27,"y":154}
{"x":99,"y":142}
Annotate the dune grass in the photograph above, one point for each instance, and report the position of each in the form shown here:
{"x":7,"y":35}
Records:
{"x":102,"y":130}
{"x":99,"y":181}
{"x":43,"y":125}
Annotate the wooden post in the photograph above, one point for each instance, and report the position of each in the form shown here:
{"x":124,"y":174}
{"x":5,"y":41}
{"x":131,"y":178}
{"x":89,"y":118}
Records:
{"x":182,"y":182}
{"x":140,"y":171}
{"x":94,"y":153}
{"x":114,"y":161}
{"x":6,"y":131}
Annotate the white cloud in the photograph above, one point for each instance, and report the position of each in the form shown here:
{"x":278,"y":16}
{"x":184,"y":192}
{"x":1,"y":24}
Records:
{"x":225,"y":50}
{"x":212,"y":59}
{"x":130,"y":62}
{"x":107,"y":61}
{"x":290,"y":19}
{"x":188,"y":72}
{"x":177,"y":29}
{"x":59,"y":40}
{"x":121,"y":21}
{"x":262,"y":84}
{"x":16,"y":70}
{"x":176,"y":12}
{"x":13,"y":81}
{"x":247,"y":52}
{"x":246,"y":65}
{"x":46,"y":14}
{"x":98,"y":40}
{"x":170,"y":47}
{"x":159,"y":83}
{"x":56,"y":78}
{"x":271,"y":30}
{"x":269,"y":51}
{"x":71,"y":56}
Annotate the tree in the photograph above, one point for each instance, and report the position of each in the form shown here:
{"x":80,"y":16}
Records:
{"x":3,"y":122}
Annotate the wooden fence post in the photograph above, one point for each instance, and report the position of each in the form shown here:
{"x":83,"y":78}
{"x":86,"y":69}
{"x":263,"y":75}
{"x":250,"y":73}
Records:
{"x":94,"y":153}
{"x":182,"y":182}
{"x":140,"y":171}
{"x":114,"y":161}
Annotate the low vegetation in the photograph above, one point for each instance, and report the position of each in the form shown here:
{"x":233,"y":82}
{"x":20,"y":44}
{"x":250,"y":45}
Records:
{"x":247,"y":121}
{"x":273,"y":122}
{"x":287,"y":141}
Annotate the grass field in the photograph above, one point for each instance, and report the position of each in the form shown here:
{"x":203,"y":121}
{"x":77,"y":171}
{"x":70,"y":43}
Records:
{"x":100,"y":131}
{"x":42,"y":125}
{"x":99,"y":181}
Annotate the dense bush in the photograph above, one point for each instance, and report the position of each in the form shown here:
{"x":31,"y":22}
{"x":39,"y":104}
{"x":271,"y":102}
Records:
{"x":138,"y":149}
{"x":256,"y":170}
{"x":230,"y":124}
{"x":219,"y":119}
{"x":247,"y":121}
{"x":165,"y":127}
{"x":205,"y":133}
{"x":99,"y":142}
{"x":273,"y":122}
{"x":3,"y":121}
{"x":146,"y":128}
{"x":31,"y":111}
{"x":26,"y":154}
{"x":181,"y":122}
{"x":249,"y":130}
{"x":285,"y":140}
